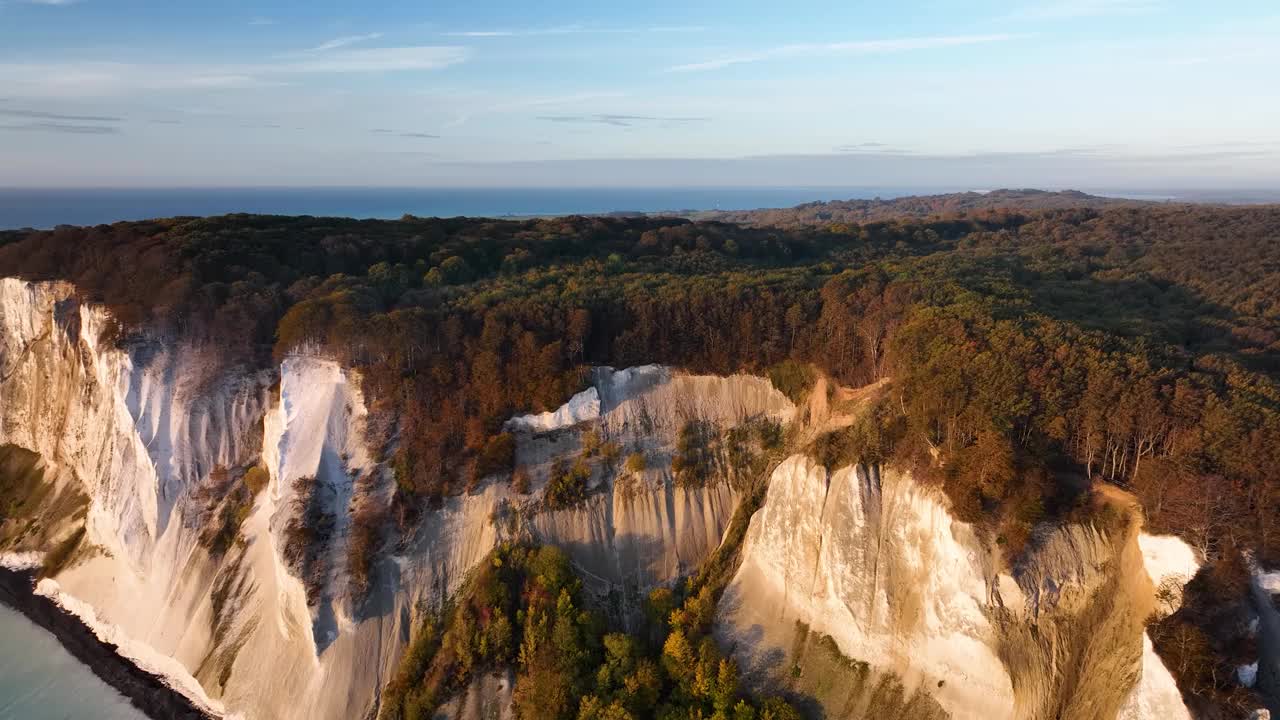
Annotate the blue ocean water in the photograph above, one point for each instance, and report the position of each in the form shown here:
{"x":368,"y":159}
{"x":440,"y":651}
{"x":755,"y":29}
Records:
{"x":46,"y":208}
{"x":39,"y":680}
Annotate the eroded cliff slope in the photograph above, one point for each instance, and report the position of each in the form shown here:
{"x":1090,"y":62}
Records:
{"x":919,"y":605}
{"x":242,"y":593}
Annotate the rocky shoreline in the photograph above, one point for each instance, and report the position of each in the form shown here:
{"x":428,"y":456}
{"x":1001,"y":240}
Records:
{"x":146,"y":691}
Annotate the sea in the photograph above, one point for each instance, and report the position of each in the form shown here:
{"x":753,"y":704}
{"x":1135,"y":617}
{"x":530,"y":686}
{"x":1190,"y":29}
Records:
{"x":24,"y":208}
{"x":40,"y":680}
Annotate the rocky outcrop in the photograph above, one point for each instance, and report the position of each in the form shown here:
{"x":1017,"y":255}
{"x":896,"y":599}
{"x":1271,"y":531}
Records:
{"x":876,"y":561}
{"x":1169,"y":563}
{"x":644,"y":529}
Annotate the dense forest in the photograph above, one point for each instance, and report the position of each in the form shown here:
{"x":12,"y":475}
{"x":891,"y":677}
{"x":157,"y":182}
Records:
{"x":1027,"y":353}
{"x":916,"y":206}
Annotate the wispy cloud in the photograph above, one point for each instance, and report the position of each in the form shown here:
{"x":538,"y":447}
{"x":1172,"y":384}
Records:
{"x":43,"y":115}
{"x":1073,"y":9}
{"x":871,"y":148}
{"x":414,"y":154}
{"x":571,"y":30}
{"x":64,"y":128}
{"x":620,"y":120}
{"x":208,"y":81}
{"x":387,"y":59}
{"x":482,"y":33}
{"x":860,"y":47}
{"x":49,"y":2}
{"x":389,"y":131}
{"x":336,"y":43}
{"x":261,"y":21}
{"x":56,"y":122}
{"x":489,"y":33}
{"x":89,"y":79}
{"x":465,"y":108}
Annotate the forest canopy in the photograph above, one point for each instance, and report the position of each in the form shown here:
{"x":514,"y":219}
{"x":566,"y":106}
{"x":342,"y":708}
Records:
{"x":1028,"y":350}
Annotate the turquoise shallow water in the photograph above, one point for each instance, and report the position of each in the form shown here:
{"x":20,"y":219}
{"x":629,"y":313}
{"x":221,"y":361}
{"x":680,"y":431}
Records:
{"x":39,"y":680}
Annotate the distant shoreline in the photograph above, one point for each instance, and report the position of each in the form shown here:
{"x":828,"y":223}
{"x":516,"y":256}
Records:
{"x":147,"y":692}
{"x":48,"y":208}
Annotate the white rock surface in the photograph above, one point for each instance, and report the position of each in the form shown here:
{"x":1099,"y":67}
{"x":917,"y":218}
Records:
{"x":1171,"y":562}
{"x":1168,"y":558}
{"x":581,"y":407}
{"x":136,"y":429}
{"x":140,"y":430}
{"x":878,"y":564}
{"x":170,"y":670}
{"x":28,"y":560}
{"x":1263,"y":589}
{"x":1268,"y":581}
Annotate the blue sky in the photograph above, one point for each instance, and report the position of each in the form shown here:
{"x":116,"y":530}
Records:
{"x":975,"y":93}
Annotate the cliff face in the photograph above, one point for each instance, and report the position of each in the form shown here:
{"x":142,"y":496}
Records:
{"x":881,"y":567}
{"x":877,"y":563}
{"x":648,"y":529}
{"x":140,"y":432}
{"x":254,"y":628}
{"x":149,"y":434}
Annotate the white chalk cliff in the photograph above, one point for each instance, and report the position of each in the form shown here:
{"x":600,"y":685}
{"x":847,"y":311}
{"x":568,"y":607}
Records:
{"x":876,"y":561}
{"x":140,"y":430}
{"x":868,"y":557}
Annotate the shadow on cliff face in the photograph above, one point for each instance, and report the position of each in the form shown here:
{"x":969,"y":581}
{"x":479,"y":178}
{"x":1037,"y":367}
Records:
{"x":762,"y":664}
{"x":819,"y":680}
{"x":611,"y":584}
{"x":381,"y":598}
{"x":1210,"y":635}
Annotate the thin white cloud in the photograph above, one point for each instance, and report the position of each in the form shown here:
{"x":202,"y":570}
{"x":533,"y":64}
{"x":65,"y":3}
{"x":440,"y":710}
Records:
{"x":388,"y":59}
{"x":618,"y":120}
{"x":49,"y":2}
{"x":562,"y":30}
{"x":60,"y":117}
{"x":336,"y":43}
{"x":62,"y":128}
{"x":95,"y":79}
{"x":1075,"y":9}
{"x":261,"y":21}
{"x":861,"y":47}
{"x":223,"y":82}
{"x":571,"y":30}
{"x":465,"y":108}
{"x":482,"y":33}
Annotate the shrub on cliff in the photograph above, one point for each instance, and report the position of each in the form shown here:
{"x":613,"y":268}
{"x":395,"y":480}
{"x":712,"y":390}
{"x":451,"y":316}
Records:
{"x":569,"y":483}
{"x":791,"y":378}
